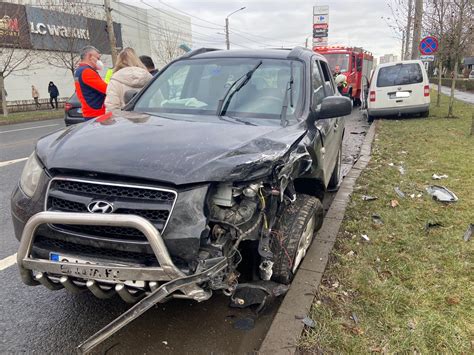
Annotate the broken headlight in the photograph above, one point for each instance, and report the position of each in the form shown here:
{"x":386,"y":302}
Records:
{"x":31,"y":175}
{"x":227,"y":194}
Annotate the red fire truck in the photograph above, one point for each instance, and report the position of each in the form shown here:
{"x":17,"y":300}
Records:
{"x":355,"y":63}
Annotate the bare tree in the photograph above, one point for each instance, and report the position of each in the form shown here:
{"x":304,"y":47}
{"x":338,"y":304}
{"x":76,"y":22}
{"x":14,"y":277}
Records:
{"x":168,"y":41}
{"x":65,"y":54}
{"x":460,"y":27}
{"x":400,"y":22}
{"x":14,"y":54}
{"x":435,"y":18}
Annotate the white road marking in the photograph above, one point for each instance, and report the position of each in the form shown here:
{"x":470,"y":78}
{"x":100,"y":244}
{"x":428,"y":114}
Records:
{"x":9,"y":162}
{"x":24,"y":129}
{"x":7,"y":262}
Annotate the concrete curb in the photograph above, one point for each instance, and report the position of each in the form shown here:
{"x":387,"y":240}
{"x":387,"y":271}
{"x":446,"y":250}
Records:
{"x":285,"y":330}
{"x":6,"y":122}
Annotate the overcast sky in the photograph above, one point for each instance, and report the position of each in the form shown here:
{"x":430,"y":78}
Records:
{"x":288,"y":22}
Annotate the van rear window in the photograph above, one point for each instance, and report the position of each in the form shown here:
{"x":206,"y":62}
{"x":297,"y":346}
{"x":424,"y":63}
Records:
{"x":400,"y":74}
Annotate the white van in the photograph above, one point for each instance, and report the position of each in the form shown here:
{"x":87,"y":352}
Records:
{"x":399,"y":88}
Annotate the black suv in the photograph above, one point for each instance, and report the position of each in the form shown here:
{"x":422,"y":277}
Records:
{"x":217,"y":166}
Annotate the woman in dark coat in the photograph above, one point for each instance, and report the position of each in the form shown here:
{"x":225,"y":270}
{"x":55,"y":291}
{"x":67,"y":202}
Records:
{"x":53,"y":94}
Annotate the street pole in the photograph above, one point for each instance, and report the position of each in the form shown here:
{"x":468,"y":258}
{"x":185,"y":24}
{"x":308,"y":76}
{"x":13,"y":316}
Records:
{"x":403,"y":45}
{"x":227,"y":43}
{"x":417,"y":29}
{"x":110,"y":31}
{"x":306,"y":43}
{"x":408,"y":30}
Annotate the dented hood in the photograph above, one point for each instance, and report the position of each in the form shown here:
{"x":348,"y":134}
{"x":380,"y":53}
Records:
{"x":175,"y":151}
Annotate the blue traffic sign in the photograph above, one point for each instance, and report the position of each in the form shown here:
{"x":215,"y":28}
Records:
{"x":428,"y":45}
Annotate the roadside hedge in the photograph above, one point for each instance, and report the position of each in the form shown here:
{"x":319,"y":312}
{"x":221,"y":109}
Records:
{"x":464,"y":85}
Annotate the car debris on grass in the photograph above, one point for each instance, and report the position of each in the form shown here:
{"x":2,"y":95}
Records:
{"x":441,"y":194}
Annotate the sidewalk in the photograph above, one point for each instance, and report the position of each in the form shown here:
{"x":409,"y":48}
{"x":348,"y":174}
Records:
{"x":467,"y":97}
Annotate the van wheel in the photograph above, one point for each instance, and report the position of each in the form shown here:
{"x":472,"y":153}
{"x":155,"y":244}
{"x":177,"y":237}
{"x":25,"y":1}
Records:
{"x":293,"y":235}
{"x":336,"y":173}
{"x":425,"y":114}
{"x":370,"y":118}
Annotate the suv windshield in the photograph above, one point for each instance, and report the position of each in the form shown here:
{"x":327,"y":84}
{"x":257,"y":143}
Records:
{"x":195,"y":87}
{"x":399,"y":74}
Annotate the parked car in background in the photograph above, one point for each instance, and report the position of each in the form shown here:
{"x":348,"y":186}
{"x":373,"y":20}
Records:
{"x":471,"y":75}
{"x":73,"y":111}
{"x":399,"y":88}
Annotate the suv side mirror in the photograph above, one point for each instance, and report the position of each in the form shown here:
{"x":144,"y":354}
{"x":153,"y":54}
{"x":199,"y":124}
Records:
{"x":129,"y":95}
{"x":335,"y":106}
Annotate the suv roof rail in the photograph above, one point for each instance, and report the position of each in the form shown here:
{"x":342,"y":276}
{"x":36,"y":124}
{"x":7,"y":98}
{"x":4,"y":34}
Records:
{"x":297,"y":51}
{"x":198,"y":51}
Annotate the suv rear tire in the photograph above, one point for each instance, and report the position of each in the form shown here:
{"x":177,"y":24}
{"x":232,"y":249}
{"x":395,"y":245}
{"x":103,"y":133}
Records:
{"x":295,"y":232}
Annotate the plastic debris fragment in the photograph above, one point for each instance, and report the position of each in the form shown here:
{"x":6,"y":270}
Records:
{"x":441,"y":194}
{"x":355,"y":318}
{"x":244,"y":324}
{"x":309,"y":322}
{"x":369,"y":198}
{"x":399,"y":192}
{"x":376,"y":219}
{"x":439,"y":177}
{"x":468,"y":234}
{"x":401,"y":169}
{"x":430,"y":224}
{"x":365,"y":237}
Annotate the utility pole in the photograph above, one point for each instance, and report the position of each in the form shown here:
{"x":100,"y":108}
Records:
{"x":403,"y":45}
{"x":408,"y":30}
{"x":417,"y":29}
{"x":227,"y":43}
{"x":110,"y":31}
{"x":306,"y":43}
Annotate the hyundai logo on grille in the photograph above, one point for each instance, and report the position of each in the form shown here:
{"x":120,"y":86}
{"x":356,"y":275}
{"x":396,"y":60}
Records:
{"x":100,"y":207}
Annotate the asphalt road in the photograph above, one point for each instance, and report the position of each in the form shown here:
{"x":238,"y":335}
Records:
{"x":34,"y":319}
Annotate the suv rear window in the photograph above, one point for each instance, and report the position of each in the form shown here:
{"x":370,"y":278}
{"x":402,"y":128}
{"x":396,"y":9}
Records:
{"x":400,"y":74}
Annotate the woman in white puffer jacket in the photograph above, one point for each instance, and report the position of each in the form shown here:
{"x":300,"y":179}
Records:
{"x":129,"y":73}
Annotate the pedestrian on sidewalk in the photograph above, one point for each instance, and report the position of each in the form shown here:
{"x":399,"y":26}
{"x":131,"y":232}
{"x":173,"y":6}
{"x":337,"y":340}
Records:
{"x":90,"y":87}
{"x":35,"y":94}
{"x":129,"y":73}
{"x":53,"y":94}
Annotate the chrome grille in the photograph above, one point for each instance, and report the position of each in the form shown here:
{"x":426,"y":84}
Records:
{"x":74,"y":195}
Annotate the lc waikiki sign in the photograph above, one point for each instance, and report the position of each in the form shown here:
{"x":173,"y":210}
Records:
{"x":30,"y":27}
{"x":59,"y":31}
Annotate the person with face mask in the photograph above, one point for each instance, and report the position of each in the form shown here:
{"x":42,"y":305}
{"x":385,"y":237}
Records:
{"x":90,"y":87}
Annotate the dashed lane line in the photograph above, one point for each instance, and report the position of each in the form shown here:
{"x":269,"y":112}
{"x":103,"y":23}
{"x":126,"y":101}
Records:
{"x":10,"y":162}
{"x":28,"y":128}
{"x":7,"y":262}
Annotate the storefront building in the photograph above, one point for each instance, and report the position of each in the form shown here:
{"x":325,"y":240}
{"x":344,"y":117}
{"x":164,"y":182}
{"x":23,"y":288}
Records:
{"x":49,"y":40}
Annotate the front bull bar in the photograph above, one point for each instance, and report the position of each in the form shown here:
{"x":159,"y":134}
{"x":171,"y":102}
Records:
{"x":165,"y":272}
{"x":176,"y":279}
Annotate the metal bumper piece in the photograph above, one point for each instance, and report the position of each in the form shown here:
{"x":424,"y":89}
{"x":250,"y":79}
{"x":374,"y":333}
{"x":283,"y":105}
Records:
{"x":173,"y":278}
{"x":165,"y":272}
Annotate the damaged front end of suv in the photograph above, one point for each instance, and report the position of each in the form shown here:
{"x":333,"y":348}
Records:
{"x":210,"y":180}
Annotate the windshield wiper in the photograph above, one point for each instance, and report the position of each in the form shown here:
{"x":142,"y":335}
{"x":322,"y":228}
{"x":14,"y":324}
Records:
{"x":284,"y":108}
{"x":223,"y":103}
{"x":240,"y":120}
